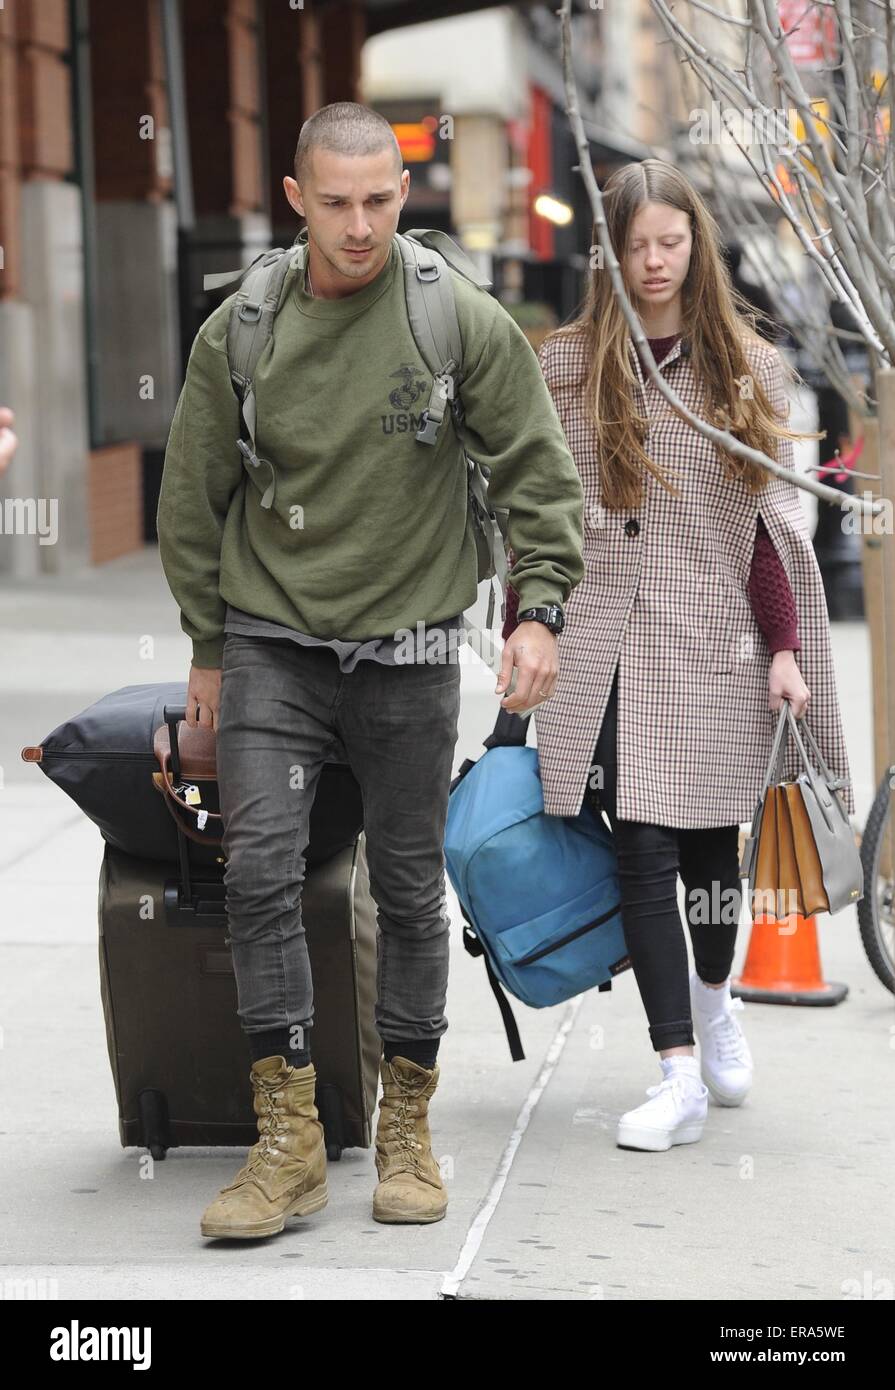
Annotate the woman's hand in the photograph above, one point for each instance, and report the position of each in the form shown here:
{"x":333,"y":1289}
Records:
{"x":785,"y":683}
{"x":8,"y":439}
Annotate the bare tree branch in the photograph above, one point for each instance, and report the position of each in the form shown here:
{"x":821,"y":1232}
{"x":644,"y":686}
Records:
{"x":844,"y":218}
{"x":722,"y":438}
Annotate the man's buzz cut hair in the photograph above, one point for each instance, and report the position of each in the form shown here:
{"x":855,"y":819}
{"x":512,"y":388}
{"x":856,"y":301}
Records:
{"x":347,"y":128}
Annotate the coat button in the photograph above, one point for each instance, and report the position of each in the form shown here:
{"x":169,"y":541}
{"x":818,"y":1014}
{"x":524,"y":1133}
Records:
{"x":632,"y":526}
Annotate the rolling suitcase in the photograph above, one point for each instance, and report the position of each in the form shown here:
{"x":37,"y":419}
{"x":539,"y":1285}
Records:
{"x":179,"y":1057}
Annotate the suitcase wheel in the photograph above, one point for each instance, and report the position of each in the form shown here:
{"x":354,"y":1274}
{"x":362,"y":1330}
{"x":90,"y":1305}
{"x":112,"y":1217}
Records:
{"x":329,"y":1108}
{"x":153,"y":1111}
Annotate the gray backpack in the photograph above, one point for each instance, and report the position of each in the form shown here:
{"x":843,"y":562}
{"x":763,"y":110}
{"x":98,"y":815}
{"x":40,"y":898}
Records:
{"x":426,"y":257}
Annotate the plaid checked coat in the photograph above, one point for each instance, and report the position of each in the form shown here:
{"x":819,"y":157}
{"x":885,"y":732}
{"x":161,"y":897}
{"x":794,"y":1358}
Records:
{"x":664,"y":594}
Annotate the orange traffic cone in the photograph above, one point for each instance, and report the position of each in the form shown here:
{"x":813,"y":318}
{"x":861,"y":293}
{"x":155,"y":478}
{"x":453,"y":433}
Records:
{"x":783,"y":964}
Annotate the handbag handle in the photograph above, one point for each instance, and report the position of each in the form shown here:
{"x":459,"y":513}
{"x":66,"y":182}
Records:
{"x":788,"y":721}
{"x":834,"y":783}
{"x":778,"y":749}
{"x":821,"y":788}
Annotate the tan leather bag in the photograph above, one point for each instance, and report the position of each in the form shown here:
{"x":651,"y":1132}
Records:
{"x":801,"y":857}
{"x":187,"y":755}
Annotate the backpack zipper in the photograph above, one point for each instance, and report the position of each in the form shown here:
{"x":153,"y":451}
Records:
{"x":579,"y":931}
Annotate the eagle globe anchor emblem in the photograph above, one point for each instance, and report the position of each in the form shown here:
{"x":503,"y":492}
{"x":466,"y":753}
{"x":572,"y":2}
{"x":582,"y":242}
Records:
{"x":410,"y":390}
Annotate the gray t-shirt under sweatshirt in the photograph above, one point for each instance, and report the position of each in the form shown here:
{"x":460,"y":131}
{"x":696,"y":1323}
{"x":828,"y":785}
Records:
{"x":439,"y":640}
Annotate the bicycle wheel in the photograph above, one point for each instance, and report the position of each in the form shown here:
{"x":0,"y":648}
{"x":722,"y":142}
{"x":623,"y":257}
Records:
{"x":876,"y":910}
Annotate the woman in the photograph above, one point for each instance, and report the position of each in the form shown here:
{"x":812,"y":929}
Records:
{"x":680,"y":642}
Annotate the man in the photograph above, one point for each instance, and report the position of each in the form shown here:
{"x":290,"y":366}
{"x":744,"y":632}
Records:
{"x":305,"y":606}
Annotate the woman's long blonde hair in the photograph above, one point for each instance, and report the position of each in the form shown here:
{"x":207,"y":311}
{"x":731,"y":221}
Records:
{"x":716,"y":319}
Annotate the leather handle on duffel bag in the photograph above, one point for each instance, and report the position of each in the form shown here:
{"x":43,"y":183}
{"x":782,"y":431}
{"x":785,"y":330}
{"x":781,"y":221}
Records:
{"x":187,"y":754}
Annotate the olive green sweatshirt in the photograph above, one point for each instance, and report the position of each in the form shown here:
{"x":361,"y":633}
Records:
{"x":368,"y":532}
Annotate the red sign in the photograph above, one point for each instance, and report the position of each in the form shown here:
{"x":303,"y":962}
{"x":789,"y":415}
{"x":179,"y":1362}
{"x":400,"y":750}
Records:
{"x":416,"y":139}
{"x":812,"y":37}
{"x":540,"y":162}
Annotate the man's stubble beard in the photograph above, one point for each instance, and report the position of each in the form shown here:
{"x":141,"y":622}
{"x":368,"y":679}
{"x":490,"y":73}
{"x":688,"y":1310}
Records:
{"x":354,"y":271}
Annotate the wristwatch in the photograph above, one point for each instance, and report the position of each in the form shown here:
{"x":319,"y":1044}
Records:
{"x":551,"y":616}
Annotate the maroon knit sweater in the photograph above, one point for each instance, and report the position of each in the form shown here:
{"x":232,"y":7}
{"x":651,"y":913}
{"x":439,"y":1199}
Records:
{"x":768,"y":589}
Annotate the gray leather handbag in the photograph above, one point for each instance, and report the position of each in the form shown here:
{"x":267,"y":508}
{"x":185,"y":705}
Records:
{"x":809,"y":844}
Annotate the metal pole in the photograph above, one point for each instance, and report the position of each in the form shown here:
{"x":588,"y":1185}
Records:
{"x":885,"y":395}
{"x":873,"y":551}
{"x":172,"y":33}
{"x":85,"y":175}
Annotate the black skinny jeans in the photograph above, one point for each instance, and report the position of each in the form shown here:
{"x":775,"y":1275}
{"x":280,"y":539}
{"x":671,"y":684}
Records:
{"x":650,"y":857}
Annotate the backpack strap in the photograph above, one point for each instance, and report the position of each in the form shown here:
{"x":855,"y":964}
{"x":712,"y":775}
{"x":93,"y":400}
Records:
{"x":428,"y":257}
{"x":474,"y":947}
{"x":249,"y":329}
{"x":433,"y":322}
{"x":451,"y":252}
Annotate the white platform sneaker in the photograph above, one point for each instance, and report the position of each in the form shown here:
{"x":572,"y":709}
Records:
{"x":726,"y":1062}
{"x":675,"y":1114}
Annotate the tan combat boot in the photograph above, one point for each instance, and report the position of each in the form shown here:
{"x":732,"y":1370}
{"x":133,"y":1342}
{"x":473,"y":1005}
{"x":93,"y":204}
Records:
{"x":285,"y":1172}
{"x":410,"y":1186}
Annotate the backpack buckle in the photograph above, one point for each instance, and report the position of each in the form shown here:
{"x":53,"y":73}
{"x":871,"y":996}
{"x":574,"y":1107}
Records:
{"x":427,"y":272}
{"x":442,"y":392}
{"x":249,"y":313}
{"x":445,"y":384}
{"x":428,"y":431}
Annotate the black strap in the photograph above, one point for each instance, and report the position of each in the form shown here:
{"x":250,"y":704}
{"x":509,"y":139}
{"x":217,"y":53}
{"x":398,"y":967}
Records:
{"x":506,"y":1013}
{"x":510,"y":730}
{"x":475,"y":948}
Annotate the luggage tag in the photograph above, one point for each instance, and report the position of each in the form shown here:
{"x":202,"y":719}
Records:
{"x":189,"y":792}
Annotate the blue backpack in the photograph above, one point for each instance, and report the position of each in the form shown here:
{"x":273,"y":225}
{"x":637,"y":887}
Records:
{"x":539,"y":893}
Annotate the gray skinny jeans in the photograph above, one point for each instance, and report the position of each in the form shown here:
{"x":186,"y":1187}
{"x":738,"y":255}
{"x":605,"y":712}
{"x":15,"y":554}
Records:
{"x":286,"y":709}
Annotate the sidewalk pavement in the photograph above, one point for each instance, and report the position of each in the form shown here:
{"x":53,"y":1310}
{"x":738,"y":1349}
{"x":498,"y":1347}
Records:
{"x":787,"y":1197}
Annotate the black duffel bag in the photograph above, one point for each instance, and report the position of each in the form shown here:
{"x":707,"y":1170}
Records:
{"x":106,"y":760}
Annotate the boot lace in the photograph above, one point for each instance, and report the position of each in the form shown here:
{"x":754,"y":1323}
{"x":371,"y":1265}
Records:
{"x":402,"y":1129}
{"x":269,"y":1127}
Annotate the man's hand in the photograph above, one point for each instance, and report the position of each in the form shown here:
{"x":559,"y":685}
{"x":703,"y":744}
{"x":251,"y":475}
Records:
{"x":532,"y":649}
{"x":204,"y":690}
{"x":785,"y":683}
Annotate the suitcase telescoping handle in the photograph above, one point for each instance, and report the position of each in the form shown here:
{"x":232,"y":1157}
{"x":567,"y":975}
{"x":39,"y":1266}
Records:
{"x":183,"y":897}
{"x":172,"y":714}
